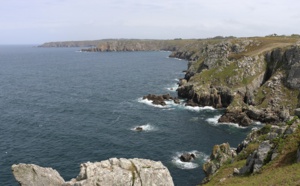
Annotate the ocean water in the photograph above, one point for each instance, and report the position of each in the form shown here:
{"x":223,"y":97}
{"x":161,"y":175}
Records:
{"x":60,"y":107}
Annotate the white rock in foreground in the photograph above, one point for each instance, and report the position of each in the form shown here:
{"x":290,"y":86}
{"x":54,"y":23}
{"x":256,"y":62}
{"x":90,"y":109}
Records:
{"x":108,"y":172}
{"x":34,"y":175}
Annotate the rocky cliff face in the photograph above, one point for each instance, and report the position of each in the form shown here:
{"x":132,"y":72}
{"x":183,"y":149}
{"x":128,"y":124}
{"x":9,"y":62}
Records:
{"x":254,"y":79}
{"x":109,"y":172}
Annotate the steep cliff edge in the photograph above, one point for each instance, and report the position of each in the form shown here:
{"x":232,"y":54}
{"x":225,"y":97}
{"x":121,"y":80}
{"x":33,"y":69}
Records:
{"x":255,"y":79}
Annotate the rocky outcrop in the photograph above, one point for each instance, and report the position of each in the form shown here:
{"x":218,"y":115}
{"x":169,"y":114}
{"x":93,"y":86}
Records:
{"x":218,"y":97}
{"x":267,"y":149}
{"x":220,"y":155}
{"x":187,"y":157}
{"x":160,"y":99}
{"x":256,"y":160}
{"x":34,"y":175}
{"x":109,"y":172}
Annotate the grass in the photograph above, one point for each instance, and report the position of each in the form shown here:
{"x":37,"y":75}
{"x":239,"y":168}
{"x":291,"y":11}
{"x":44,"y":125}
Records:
{"x":283,"y":170}
{"x":264,"y":44}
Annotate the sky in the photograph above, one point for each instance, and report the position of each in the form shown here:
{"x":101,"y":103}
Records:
{"x":39,"y":21}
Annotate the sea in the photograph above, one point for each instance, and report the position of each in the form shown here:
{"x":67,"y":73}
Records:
{"x":61,"y":107}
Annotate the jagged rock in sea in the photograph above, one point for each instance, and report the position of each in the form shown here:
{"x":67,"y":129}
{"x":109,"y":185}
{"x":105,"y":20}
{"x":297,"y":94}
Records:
{"x":160,"y":99}
{"x":187,"y":157}
{"x":34,"y":175}
{"x":105,"y":173}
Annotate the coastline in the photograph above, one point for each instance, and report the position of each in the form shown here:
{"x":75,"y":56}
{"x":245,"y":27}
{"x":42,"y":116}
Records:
{"x":253,"y":84}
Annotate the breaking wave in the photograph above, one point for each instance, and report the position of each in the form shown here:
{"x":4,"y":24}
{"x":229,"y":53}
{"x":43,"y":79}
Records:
{"x":147,"y":127}
{"x":200,"y":158}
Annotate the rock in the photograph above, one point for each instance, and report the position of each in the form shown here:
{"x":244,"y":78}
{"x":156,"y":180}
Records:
{"x":160,"y":99}
{"x":138,"y":128}
{"x":34,"y":175}
{"x":156,"y":99}
{"x":236,"y":171}
{"x":298,"y":155}
{"x":256,"y":160}
{"x":191,"y":103}
{"x":114,"y":171}
{"x":176,"y":101}
{"x":238,"y":117}
{"x":297,"y":112}
{"x":187,"y":157}
{"x":220,"y":154}
{"x":182,"y":82}
{"x":122,"y":172}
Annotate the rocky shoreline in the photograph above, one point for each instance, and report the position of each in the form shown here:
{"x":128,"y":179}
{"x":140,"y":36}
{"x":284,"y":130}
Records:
{"x":253,"y":79}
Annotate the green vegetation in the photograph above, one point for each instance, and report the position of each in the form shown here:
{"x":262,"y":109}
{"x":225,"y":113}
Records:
{"x":283,"y":170}
{"x":263,"y":44}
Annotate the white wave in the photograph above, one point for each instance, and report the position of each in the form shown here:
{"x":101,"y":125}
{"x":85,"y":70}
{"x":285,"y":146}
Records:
{"x":173,"y":88}
{"x":147,"y":127}
{"x":177,"y":80}
{"x":234,"y":125}
{"x":257,"y":123}
{"x":199,"y":108}
{"x":200,"y":157}
{"x":149,"y":102}
{"x":175,"y":58}
{"x":214,"y":120}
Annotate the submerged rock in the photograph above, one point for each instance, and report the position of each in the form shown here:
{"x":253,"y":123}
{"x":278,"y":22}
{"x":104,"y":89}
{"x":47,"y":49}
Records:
{"x":105,"y":173}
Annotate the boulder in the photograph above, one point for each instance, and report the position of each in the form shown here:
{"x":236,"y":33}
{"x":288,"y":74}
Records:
{"x":122,"y":172}
{"x":238,"y":117}
{"x":138,"y":128}
{"x":187,"y":157}
{"x":160,"y":99}
{"x":114,"y":171}
{"x":257,"y":159}
{"x":220,"y":154}
{"x":297,"y":112}
{"x":156,"y":99}
{"x":34,"y":175}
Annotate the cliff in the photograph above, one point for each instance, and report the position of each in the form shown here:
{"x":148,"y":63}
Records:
{"x":253,"y":79}
{"x":110,"y":45}
{"x":109,"y":172}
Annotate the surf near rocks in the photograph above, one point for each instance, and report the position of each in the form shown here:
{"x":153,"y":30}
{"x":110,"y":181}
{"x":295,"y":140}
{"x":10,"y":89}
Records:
{"x":160,"y":99}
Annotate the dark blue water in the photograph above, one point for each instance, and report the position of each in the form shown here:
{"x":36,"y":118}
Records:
{"x":60,"y":108}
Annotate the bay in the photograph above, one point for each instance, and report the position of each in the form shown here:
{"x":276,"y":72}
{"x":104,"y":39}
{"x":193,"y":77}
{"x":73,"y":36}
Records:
{"x":60,"y":107}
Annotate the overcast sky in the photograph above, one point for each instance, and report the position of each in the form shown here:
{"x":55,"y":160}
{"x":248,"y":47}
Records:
{"x":39,"y":21}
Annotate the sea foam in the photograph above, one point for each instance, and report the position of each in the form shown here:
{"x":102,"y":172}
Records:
{"x":149,"y":102}
{"x":147,"y":127}
{"x":200,"y":158}
{"x":214,"y":121}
